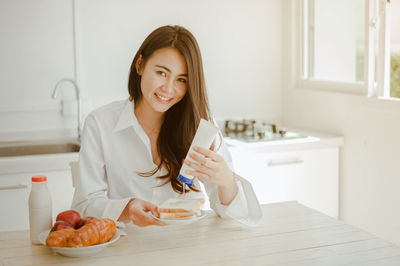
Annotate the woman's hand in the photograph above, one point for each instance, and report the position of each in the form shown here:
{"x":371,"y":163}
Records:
{"x":136,"y":211}
{"x":211,"y":167}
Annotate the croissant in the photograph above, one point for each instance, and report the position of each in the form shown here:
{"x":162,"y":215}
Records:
{"x":95,"y":231}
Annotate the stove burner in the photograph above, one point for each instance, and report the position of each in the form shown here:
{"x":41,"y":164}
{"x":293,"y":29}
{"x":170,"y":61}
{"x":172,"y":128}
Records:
{"x":245,"y":127}
{"x":252,"y":130}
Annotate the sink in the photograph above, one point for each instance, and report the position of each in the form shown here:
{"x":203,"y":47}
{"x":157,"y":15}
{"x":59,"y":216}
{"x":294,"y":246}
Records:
{"x":35,"y":148}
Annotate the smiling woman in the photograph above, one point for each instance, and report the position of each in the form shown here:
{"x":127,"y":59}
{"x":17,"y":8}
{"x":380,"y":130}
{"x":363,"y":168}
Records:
{"x":132,"y":151}
{"x":169,"y":96}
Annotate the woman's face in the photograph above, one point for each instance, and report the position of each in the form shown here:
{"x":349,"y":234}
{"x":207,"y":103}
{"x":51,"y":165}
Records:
{"x":163,"y":79}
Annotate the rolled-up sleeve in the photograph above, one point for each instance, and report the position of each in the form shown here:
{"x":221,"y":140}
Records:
{"x":90,"y":197}
{"x":245,"y":207}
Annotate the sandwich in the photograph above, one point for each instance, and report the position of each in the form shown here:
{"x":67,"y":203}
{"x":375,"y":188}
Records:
{"x":180,"y":209}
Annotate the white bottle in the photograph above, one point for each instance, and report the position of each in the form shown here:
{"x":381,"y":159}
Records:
{"x":205,"y":134}
{"x":40,"y":209}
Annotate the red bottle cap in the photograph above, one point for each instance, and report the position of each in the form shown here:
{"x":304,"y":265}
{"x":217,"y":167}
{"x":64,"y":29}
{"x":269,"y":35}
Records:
{"x":39,"y":178}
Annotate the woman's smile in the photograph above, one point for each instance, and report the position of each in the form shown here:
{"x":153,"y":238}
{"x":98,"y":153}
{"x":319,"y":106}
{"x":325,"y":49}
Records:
{"x":163,"y":99}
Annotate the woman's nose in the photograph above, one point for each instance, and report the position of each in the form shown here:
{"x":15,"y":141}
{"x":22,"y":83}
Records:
{"x":169,"y":85}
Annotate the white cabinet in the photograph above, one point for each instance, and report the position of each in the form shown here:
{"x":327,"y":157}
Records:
{"x":308,"y":176}
{"x":14,"y":195}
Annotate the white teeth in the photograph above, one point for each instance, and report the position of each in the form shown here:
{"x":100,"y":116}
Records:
{"x":163,"y":98}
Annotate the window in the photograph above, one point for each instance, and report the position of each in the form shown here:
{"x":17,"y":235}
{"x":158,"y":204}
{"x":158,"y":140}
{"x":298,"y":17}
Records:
{"x":334,"y":49}
{"x":350,"y":46}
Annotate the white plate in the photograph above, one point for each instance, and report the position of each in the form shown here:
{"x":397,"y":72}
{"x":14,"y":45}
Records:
{"x":183,"y":221}
{"x":78,"y":251}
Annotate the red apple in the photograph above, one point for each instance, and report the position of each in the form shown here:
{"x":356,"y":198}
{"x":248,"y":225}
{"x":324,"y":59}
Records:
{"x":60,"y":225}
{"x":72,"y":217}
{"x":84,"y":221}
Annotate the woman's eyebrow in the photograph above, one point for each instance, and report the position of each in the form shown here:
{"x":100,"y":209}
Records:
{"x":167,"y":69}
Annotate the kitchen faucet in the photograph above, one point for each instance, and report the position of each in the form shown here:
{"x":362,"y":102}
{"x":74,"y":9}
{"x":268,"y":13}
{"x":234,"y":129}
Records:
{"x":54,"y":96}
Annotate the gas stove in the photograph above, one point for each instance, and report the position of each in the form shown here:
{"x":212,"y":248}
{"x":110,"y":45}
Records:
{"x":256,"y":131}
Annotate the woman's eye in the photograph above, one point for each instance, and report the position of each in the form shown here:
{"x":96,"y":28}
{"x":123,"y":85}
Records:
{"x":162,"y":73}
{"x":182,"y":80}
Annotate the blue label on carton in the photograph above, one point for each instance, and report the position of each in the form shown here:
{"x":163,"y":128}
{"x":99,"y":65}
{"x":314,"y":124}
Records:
{"x":185,"y":180}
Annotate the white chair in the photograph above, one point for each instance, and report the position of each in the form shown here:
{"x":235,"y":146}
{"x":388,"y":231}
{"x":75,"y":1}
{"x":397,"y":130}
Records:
{"x":74,"y":171}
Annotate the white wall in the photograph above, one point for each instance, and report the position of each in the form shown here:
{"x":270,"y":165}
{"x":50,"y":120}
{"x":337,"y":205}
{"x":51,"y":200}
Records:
{"x":36,"y":49}
{"x":240,"y":43}
{"x":370,"y":173}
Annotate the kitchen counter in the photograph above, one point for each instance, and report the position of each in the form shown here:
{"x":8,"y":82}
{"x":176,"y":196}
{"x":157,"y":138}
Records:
{"x":312,"y":140}
{"x":289,"y":234}
{"x":37,"y":163}
{"x":37,"y":156}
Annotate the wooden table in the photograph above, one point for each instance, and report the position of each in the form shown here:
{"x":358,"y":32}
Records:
{"x":289,"y":234}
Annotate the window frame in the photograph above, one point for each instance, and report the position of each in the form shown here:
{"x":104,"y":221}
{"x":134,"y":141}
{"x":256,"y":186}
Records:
{"x":366,"y":87}
{"x":382,"y":89}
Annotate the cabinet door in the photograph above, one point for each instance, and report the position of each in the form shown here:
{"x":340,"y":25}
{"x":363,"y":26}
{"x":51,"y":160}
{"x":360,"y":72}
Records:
{"x":14,"y":195}
{"x":320,"y":181}
{"x":310,"y":177}
{"x":274,"y":177}
{"x":282,"y":175}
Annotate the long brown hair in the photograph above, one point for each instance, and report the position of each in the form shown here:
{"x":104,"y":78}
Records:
{"x":182,"y":119}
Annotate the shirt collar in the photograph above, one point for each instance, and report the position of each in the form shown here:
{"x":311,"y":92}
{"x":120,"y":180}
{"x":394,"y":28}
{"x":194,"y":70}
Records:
{"x":126,"y":118}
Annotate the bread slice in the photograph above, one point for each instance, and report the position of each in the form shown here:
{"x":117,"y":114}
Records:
{"x":179,"y":209}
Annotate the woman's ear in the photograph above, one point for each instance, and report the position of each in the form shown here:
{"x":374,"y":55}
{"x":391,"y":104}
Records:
{"x":139,"y":65}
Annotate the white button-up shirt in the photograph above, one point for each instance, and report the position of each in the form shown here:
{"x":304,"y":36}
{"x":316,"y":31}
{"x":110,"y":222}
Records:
{"x":115,"y":149}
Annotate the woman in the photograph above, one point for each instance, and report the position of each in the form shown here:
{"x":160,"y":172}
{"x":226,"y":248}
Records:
{"x":132,"y":150}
